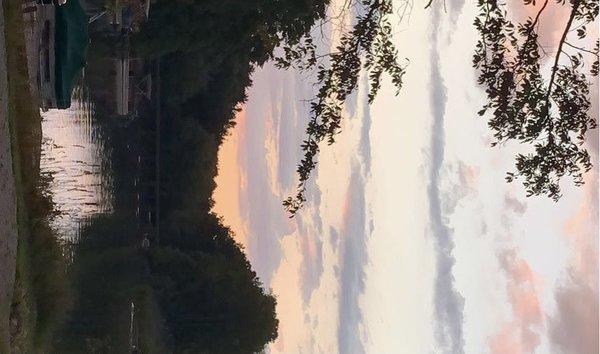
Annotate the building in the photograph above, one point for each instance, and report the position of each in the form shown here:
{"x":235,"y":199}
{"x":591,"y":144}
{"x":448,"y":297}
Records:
{"x":128,"y":16}
{"x":123,"y":89}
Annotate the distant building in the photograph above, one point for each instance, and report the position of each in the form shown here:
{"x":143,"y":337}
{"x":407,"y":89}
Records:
{"x":128,"y":16}
{"x":123,"y":90}
{"x":131,"y":81}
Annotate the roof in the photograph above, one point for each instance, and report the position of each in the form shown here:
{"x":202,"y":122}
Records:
{"x":71,"y":40}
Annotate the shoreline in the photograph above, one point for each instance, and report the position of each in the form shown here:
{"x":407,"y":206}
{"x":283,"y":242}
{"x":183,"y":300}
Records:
{"x":8,"y":202}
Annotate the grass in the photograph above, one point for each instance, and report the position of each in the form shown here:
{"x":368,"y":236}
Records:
{"x":40,"y":296}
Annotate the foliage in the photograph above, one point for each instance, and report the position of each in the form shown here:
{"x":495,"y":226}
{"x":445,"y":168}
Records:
{"x":209,"y":53}
{"x":217,"y":304}
{"x":195,"y":293}
{"x":108,"y":272}
{"x":209,"y":26}
{"x":368,"y":47}
{"x":189,"y":167}
{"x":551,"y":114}
{"x":214,"y":106}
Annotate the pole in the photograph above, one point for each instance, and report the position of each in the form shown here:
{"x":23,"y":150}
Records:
{"x":131,"y":326}
{"x":157,"y":135}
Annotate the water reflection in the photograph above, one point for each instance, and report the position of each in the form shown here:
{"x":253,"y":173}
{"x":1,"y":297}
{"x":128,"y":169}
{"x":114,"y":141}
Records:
{"x":75,"y":155}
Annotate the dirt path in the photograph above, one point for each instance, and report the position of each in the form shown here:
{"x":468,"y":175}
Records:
{"x":8,"y":203}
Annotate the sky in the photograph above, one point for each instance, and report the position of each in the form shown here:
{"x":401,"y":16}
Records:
{"x":410,"y":240}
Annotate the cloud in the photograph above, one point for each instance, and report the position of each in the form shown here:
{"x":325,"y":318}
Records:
{"x":454,"y":9}
{"x":515,"y":205}
{"x":466,"y":178}
{"x":574,"y":327}
{"x":309,"y":222}
{"x":311,"y":245}
{"x":353,"y":258}
{"x":352,"y":238}
{"x":365,"y":138}
{"x":291,"y":125}
{"x":334,"y":238}
{"x":267,"y":224}
{"x":520,"y":334}
{"x":448,"y":303}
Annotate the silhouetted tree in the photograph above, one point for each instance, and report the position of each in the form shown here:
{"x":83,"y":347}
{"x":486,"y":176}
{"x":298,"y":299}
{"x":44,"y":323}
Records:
{"x":209,"y":49}
{"x":253,"y":28}
{"x":210,"y":298}
{"x":549,"y":112}
{"x":366,"y":47}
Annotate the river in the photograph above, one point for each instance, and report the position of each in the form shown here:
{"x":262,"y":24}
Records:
{"x":76,"y":158}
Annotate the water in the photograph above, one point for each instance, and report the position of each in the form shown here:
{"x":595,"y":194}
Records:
{"x":74,"y":154}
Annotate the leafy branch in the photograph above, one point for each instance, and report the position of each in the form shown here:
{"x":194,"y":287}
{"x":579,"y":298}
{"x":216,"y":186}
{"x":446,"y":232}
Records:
{"x":368,"y":47}
{"x":551,"y":114}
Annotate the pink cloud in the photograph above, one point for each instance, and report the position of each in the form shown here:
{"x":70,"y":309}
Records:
{"x":574,"y":327}
{"x":520,"y":334}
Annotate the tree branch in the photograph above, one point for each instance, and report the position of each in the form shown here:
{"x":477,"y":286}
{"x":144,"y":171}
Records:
{"x":537,"y":17}
{"x":581,"y":49}
{"x":563,"y":40}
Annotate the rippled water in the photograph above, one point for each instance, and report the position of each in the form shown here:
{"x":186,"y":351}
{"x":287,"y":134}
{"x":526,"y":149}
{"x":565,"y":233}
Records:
{"x":75,"y":155}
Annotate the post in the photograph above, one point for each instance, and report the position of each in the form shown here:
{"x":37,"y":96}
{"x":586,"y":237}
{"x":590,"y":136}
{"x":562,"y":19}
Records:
{"x":132,"y":314}
{"x":157,"y":135}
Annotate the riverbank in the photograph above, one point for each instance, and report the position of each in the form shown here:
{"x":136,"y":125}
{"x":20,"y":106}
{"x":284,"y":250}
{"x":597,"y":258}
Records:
{"x":8,"y":203}
{"x":39,"y":291}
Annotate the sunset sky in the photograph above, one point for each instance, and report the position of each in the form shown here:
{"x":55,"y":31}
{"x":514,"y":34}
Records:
{"x":410,"y":240}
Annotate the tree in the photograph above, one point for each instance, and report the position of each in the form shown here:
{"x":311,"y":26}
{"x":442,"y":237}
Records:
{"x":108,"y":272}
{"x":209,"y":53}
{"x":210,"y":298}
{"x":549,"y":112}
{"x":366,"y":48}
{"x":250,"y":27}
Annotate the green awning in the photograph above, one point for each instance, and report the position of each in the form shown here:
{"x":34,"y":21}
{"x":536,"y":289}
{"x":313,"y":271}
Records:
{"x":71,"y":40}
